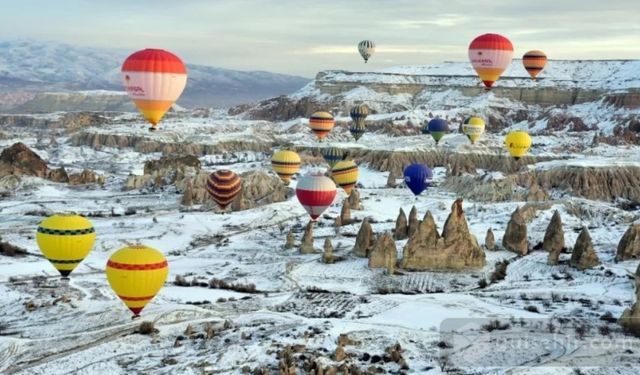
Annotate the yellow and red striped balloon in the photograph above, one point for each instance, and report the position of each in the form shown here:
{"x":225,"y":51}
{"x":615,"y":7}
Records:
{"x":490,"y":56}
{"x":285,"y":163}
{"x":224,"y":186}
{"x":321,"y":123}
{"x":534,"y":61}
{"x":345,"y":174}
{"x":154,"y":79}
{"x":136,"y":274}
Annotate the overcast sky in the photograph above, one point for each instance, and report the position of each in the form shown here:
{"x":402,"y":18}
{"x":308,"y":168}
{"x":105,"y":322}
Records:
{"x":303,"y":37}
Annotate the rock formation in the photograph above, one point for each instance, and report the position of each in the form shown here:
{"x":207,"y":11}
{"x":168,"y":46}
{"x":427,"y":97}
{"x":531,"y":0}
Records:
{"x":306,"y":246}
{"x":536,"y":194}
{"x":584,"y":255}
{"x":391,"y":180}
{"x":345,"y":213}
{"x":515,"y":237}
{"x":629,"y":245}
{"x":85,"y":177}
{"x":327,"y":255}
{"x":187,"y":197}
{"x":413,"y":221}
{"x":354,"y":200}
{"x":171,"y":169}
{"x":384,"y":254}
{"x":18,"y":159}
{"x":401,"y":231}
{"x":630,"y":319}
{"x":490,"y":240}
{"x":364,"y":240}
{"x":456,"y":249}
{"x":58,"y":175}
{"x":554,"y":239}
{"x":291,"y":240}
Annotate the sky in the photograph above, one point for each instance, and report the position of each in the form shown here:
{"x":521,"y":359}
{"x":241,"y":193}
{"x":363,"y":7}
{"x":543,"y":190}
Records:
{"x":303,"y":37}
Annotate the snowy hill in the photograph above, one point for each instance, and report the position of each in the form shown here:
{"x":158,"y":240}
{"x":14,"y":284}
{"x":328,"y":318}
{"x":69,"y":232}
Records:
{"x":50,"y":66}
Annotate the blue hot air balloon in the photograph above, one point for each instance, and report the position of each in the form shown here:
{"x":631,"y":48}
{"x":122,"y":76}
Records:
{"x":437,"y":128}
{"x":417,"y":177}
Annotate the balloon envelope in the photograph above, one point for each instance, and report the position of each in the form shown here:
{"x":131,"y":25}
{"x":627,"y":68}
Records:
{"x":136,"y":274}
{"x":490,"y":56}
{"x":332,"y":155}
{"x":315,"y":193}
{"x":518,"y":143}
{"x":366,"y":49}
{"x":285,"y":163}
{"x":65,"y":240}
{"x":417,"y":177}
{"x":154,"y":79}
{"x":473,"y":128}
{"x":223,"y":186}
{"x":438,"y":127}
{"x":534,"y":61}
{"x":345,"y":174}
{"x":321,"y":123}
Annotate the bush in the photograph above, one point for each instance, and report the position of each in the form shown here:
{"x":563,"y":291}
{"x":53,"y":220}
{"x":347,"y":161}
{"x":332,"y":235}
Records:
{"x":146,"y":328}
{"x":532,"y":308}
{"x":496,"y":325}
{"x":604,"y":330}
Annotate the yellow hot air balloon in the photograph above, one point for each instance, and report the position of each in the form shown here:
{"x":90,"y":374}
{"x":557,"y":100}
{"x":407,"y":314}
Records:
{"x":136,"y":274}
{"x":345,"y":174}
{"x":518,"y":143}
{"x":285,"y":163}
{"x":473,"y":128}
{"x":65,"y":240}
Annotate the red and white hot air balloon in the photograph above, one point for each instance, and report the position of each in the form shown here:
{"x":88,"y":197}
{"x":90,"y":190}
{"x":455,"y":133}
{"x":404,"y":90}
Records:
{"x":316,"y":193}
{"x":154,"y":79}
{"x":490,"y":56}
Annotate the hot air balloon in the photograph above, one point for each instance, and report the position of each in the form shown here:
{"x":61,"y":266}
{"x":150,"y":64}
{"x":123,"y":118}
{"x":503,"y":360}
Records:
{"x":65,"y":240}
{"x":332,"y":155}
{"x":154,"y":79}
{"x":345,"y":174}
{"x":358,"y":114}
{"x":490,"y":56}
{"x":473,"y":128}
{"x":518,"y":143}
{"x":321,"y":124}
{"x":136,"y":274}
{"x":315,"y":193}
{"x":224,"y":186}
{"x":366,"y":49}
{"x":285,"y":163}
{"x":437,"y":128}
{"x":417,"y":177}
{"x":534,"y":62}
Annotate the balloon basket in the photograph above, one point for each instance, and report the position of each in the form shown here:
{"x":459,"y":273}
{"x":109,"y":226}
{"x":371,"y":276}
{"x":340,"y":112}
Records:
{"x":152,"y":129}
{"x":135,"y":317}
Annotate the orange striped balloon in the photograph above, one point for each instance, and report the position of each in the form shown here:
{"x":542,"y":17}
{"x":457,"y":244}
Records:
{"x":154,"y":79}
{"x":534,"y":61}
{"x":321,"y":123}
{"x":224,"y":186}
{"x":490,"y":56}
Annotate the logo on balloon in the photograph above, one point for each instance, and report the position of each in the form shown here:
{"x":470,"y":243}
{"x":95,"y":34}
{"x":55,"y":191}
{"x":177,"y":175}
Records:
{"x":135,"y":90}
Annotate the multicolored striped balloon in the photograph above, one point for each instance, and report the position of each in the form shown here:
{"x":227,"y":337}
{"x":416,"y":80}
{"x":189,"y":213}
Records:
{"x":136,"y":274}
{"x":154,"y":79}
{"x":357,"y":130}
{"x":490,"y":56}
{"x":224,"y":186}
{"x":358,"y":113}
{"x":321,"y":123}
{"x":534,"y":61}
{"x":332,"y":155}
{"x":285,"y":163}
{"x":65,"y":240}
{"x":366,"y":49}
{"x":315,"y":193}
{"x":473,"y":128}
{"x":345,"y":174}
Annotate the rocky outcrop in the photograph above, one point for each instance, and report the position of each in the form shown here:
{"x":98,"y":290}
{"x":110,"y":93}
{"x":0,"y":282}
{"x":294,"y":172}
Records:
{"x":537,"y":194}
{"x":515,"y":237}
{"x":187,"y":197}
{"x":459,"y":167}
{"x":86,"y":177}
{"x":306,"y":245}
{"x":260,"y":188}
{"x":584,"y":255}
{"x":166,"y":171}
{"x":327,"y":255}
{"x":630,"y":319}
{"x":391,"y":180}
{"x":171,"y":163}
{"x":413,"y":221}
{"x":553,"y":241}
{"x":364,"y":240}
{"x":354,"y":200}
{"x":456,"y":249}
{"x":290,"y":241}
{"x":20,"y":160}
{"x":345,"y":213}
{"x":401,"y":231}
{"x":490,"y":240}
{"x":384,"y":254}
{"x":58,"y":175}
{"x":629,"y":245}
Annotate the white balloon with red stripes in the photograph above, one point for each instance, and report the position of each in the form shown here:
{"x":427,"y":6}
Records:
{"x":315,"y":193}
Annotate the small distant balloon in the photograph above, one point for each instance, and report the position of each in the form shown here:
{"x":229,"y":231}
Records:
{"x":417,"y":177}
{"x":473,"y":128}
{"x":534,"y":62}
{"x":437,"y":127}
{"x":518,"y":143}
{"x":366,"y":49}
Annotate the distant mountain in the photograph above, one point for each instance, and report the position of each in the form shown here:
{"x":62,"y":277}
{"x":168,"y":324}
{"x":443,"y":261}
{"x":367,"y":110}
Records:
{"x":28,"y":65}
